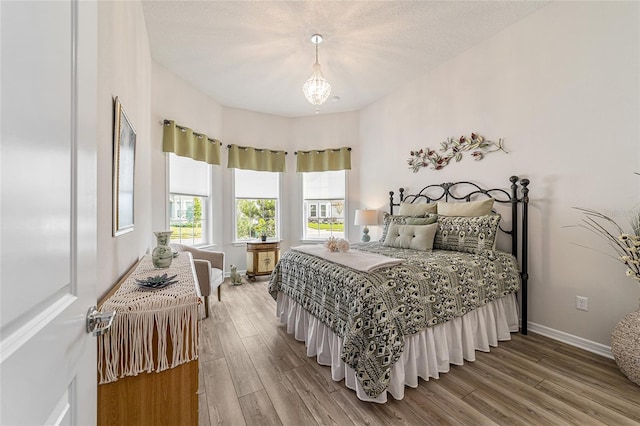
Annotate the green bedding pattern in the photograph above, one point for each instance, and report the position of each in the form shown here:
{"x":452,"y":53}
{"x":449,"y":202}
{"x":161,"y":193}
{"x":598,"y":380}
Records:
{"x":373,"y":312}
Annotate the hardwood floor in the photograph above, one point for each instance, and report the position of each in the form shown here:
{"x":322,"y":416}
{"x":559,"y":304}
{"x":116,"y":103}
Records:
{"x":252,"y":372}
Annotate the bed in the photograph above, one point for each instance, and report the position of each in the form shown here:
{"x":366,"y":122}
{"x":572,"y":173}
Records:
{"x":389,"y":312}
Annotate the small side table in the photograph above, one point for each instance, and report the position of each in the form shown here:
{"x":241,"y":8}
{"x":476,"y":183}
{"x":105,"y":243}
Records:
{"x":262,"y":258}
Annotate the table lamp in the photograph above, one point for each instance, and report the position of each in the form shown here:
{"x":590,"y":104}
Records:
{"x":364,"y":218}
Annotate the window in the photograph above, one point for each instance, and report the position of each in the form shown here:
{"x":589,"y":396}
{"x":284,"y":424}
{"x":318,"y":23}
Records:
{"x":256,"y":204}
{"x":323,"y":204}
{"x":189,"y":183}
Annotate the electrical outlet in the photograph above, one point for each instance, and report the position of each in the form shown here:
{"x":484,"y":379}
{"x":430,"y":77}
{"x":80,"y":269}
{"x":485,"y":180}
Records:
{"x":582,"y":303}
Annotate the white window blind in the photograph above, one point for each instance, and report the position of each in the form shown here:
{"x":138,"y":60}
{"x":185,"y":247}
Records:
{"x":188,"y":176}
{"x":323,"y":185}
{"x":253,"y":184}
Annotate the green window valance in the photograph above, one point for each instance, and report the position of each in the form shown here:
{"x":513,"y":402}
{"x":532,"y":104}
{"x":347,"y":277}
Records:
{"x":324,"y":160}
{"x":186,"y":143}
{"x":262,"y":160}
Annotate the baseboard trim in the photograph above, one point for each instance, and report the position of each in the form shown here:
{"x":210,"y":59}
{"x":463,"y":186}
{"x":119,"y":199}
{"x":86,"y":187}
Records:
{"x":570,"y":339}
{"x":228,"y":273}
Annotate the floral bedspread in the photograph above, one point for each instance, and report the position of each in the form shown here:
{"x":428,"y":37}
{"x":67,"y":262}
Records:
{"x":373,"y":312}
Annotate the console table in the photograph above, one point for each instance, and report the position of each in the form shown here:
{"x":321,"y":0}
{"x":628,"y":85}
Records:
{"x":148,"y":360}
{"x":262,"y":257}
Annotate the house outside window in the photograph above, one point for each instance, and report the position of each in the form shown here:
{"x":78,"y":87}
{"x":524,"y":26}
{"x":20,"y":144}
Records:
{"x":323,"y":204}
{"x":189,"y":183}
{"x":256,"y":204}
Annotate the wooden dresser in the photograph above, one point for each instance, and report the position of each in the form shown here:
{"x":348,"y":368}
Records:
{"x":144,"y":379}
{"x":262,"y":257}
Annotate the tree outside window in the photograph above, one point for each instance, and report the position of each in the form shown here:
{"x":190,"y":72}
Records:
{"x":256,"y":204}
{"x":255,"y":217}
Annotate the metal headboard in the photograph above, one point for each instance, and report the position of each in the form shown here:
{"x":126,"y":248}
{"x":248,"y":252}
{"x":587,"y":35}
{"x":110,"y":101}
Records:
{"x":518,"y":197}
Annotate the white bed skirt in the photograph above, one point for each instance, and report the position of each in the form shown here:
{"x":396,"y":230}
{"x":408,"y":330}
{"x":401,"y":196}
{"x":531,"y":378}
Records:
{"x":426,"y":354}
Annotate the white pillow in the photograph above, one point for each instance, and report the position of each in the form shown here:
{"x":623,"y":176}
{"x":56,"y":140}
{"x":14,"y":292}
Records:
{"x":415,"y":209}
{"x":468,"y":209}
{"x":416,"y":237}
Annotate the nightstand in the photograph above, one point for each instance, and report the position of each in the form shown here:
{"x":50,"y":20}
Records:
{"x":262,"y":258}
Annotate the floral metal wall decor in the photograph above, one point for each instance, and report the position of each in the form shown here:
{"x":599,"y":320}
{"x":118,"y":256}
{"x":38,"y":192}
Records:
{"x":453,"y":148}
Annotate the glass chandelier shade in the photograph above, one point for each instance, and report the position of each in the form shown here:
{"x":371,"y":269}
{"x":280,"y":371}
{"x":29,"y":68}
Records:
{"x":316,"y":89}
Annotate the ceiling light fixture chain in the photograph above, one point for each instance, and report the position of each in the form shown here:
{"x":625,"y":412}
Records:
{"x":316,"y":89}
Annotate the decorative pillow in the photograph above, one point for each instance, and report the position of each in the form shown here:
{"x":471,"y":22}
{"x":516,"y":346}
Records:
{"x":467,"y":234}
{"x":468,"y":209}
{"x":416,"y":237}
{"x":421,"y":220}
{"x":400,"y":220}
{"x":413,"y":209}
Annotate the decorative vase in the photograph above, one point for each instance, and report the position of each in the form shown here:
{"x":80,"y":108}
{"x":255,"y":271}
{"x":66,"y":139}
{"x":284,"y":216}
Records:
{"x":162,"y":255}
{"x":625,"y":346}
{"x":263,"y":237}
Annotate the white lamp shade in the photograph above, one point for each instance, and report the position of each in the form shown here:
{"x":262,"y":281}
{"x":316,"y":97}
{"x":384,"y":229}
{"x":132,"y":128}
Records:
{"x":366,"y":217}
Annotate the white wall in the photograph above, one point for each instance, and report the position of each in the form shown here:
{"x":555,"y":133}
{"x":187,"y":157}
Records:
{"x":562,"y":88}
{"x":124,"y":70}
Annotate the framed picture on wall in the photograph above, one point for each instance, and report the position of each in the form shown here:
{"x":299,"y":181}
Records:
{"x":124,"y":154}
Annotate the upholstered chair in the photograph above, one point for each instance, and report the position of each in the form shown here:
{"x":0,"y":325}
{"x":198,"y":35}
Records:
{"x":209,"y":267}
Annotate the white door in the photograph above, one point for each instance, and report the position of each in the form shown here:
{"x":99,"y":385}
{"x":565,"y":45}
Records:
{"x":47,"y":211}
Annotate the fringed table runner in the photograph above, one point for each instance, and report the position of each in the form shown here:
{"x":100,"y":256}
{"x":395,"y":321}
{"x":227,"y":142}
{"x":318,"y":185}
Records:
{"x":153,"y":330}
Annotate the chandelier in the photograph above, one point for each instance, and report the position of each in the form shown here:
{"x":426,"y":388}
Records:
{"x":317,"y":89}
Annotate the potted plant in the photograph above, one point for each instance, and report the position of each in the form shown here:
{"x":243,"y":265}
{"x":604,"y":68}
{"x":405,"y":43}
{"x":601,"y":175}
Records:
{"x":261,"y":228}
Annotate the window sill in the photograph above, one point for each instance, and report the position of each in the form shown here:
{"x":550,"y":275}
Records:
{"x":314,"y":241}
{"x":200,"y":246}
{"x":257,"y":240}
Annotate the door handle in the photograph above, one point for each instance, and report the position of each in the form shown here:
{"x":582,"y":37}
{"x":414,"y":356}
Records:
{"x":99,"y":323}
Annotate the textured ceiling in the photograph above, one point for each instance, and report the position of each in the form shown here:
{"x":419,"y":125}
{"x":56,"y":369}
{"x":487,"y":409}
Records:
{"x":256,"y":55}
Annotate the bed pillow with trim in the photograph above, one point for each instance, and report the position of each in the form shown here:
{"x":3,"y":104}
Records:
{"x":468,"y":209}
{"x":400,"y":220}
{"x":412,"y":209}
{"x":416,"y":237}
{"x":467,"y":234}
